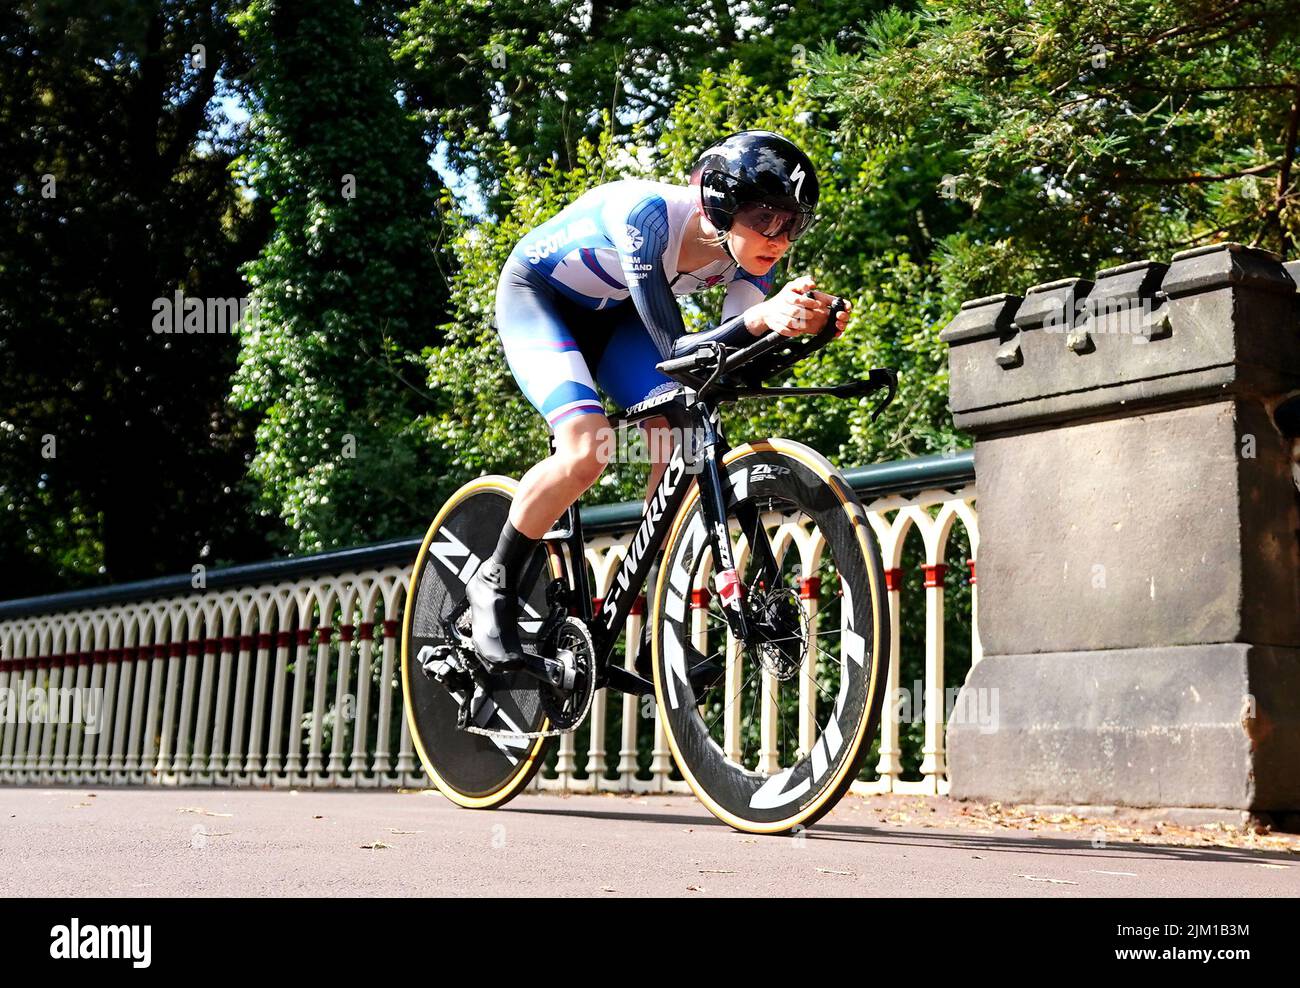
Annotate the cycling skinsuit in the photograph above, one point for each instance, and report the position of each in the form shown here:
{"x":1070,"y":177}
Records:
{"x":562,"y":300}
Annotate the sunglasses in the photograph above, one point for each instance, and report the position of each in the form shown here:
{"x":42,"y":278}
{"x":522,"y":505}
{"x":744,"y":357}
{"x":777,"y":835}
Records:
{"x":768,"y":221}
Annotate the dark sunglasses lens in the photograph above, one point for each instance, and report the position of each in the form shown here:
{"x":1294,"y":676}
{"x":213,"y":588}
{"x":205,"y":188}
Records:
{"x":799,"y":225}
{"x":765,"y":220}
{"x":771,"y":222}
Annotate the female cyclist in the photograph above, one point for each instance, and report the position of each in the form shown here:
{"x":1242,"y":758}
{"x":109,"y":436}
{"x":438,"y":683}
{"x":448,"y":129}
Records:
{"x":563,"y":312}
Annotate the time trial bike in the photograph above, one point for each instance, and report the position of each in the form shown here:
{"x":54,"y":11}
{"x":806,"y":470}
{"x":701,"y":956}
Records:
{"x":769,"y":698}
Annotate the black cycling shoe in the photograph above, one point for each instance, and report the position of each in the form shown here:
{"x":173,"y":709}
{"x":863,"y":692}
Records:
{"x":494,"y":618}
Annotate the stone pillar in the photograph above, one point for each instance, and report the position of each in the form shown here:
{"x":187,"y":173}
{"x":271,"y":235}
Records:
{"x":1140,"y":536}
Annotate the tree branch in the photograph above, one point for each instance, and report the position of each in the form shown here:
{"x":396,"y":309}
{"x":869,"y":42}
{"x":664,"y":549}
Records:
{"x":1284,"y":176}
{"x":1193,"y":179}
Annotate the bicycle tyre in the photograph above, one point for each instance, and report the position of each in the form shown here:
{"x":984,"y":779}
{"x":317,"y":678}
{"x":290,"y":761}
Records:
{"x":796,"y":796}
{"x":472,"y":770}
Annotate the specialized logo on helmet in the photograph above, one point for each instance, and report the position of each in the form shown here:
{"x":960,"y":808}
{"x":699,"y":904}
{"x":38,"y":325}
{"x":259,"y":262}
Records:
{"x":797,"y":176}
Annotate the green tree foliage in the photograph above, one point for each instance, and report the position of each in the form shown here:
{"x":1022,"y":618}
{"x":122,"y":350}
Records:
{"x":347,"y":285}
{"x":1083,"y":135}
{"x":118,"y":456}
{"x":543,"y":76}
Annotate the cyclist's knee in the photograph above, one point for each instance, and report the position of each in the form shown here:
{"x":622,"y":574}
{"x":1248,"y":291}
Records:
{"x":583,"y":449}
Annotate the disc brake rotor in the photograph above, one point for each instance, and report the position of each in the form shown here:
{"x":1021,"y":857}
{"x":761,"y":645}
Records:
{"x":782,"y":627}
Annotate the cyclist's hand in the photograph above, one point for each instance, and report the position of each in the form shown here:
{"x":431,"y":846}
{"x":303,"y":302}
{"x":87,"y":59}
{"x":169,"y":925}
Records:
{"x":793,"y":311}
{"x":798,"y":309}
{"x":842,"y":319}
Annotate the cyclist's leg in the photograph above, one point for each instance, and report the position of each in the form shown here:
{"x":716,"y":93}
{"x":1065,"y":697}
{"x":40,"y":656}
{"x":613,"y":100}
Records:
{"x":552,"y":373}
{"x":551,"y":365}
{"x":627,"y":373}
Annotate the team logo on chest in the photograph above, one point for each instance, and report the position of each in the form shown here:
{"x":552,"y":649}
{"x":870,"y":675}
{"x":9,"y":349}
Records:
{"x":630,"y":241}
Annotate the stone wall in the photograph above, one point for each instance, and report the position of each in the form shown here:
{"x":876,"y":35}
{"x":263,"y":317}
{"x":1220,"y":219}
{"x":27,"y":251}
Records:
{"x":1140,"y":535}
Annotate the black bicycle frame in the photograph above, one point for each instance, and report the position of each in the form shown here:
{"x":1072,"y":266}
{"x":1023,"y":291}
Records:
{"x":683,"y":412}
{"x":693,"y":410}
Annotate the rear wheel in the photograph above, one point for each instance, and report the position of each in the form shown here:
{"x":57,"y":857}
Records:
{"x":771,"y":740}
{"x":472,"y":770}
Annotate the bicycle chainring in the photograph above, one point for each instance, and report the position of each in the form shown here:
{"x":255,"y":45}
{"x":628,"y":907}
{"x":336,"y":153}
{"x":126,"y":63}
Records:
{"x":567,"y":705}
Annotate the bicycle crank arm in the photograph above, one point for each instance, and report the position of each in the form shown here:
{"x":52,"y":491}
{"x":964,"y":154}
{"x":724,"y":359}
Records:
{"x":553,"y":672}
{"x":702,"y":671}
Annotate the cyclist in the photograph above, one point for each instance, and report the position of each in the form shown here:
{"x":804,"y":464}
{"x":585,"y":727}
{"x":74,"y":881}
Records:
{"x":588,"y":296}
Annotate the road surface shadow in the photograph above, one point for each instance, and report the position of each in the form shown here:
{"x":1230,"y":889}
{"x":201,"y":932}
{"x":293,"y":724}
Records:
{"x":1018,"y":843}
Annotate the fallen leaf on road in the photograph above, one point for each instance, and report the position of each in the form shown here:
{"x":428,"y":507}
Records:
{"x":376,"y":846}
{"x":201,"y":811}
{"x":1054,"y":881}
{"x":694,"y":888}
{"x":606,"y":888}
{"x":715,"y":871}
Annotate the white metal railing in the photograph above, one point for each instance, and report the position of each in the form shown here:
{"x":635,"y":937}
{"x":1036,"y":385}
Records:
{"x":229,"y":687}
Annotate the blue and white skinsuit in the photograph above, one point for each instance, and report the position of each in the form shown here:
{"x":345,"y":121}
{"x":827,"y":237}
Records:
{"x":561,"y":304}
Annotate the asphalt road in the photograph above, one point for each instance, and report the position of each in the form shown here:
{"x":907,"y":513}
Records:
{"x":189,"y":842}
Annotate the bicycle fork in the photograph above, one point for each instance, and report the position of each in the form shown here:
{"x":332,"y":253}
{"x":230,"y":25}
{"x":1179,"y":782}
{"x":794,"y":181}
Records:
{"x":730,"y":591}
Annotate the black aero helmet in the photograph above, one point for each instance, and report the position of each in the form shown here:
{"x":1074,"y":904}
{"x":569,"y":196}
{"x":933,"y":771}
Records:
{"x":753,"y":168}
